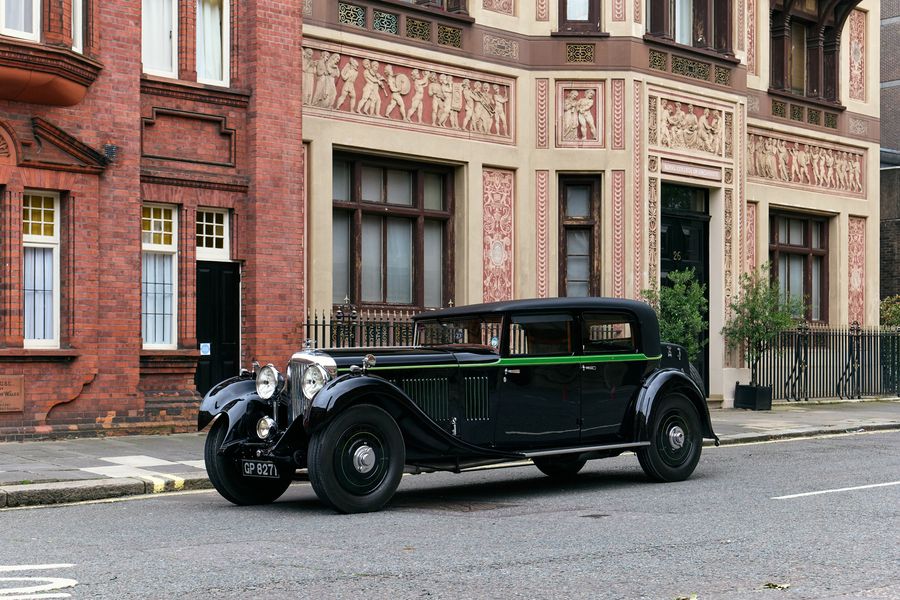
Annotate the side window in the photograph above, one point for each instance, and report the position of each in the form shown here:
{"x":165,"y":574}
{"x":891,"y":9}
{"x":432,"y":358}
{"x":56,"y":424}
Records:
{"x":607,"y":334}
{"x":540,"y":335}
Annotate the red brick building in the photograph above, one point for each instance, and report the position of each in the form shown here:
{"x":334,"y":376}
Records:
{"x":151,"y":182}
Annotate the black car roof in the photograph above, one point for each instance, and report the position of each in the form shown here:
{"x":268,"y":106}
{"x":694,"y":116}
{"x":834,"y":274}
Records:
{"x":643,"y":312}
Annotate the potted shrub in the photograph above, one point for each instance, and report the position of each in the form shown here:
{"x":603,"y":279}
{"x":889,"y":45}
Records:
{"x":758,"y":315}
{"x":681,"y":308}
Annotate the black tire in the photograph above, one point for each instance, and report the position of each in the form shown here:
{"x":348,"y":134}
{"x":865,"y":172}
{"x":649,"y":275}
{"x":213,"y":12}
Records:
{"x":562,"y":467}
{"x":675,"y":440}
{"x":225,"y":475}
{"x":357,"y":460}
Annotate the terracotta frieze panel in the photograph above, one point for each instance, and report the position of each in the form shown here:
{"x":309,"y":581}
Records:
{"x":653,"y":231}
{"x":857,"y":263}
{"x":653,"y":120}
{"x":618,"y":218}
{"x":498,"y":194}
{"x":542,"y":112}
{"x":542,"y":10}
{"x":638,"y":7}
{"x":741,"y":14}
{"x":637,"y":210}
{"x":580,"y":114}
{"x":803,"y":163}
{"x":504,"y":7}
{"x":542,"y":203}
{"x":618,"y":115}
{"x":689,"y":128}
{"x":618,"y":10}
{"x":751,"y":236}
{"x":365,"y":86}
{"x":857,"y":28}
{"x":729,"y":245}
{"x":752,"y":65}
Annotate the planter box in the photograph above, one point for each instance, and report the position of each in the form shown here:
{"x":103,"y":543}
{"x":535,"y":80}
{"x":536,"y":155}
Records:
{"x":753,"y":397}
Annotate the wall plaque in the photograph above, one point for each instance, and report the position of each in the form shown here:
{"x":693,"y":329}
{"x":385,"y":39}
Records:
{"x":12,"y":396}
{"x":687,"y":170}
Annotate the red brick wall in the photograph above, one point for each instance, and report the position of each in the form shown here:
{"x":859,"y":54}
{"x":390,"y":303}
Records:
{"x":102,"y":380}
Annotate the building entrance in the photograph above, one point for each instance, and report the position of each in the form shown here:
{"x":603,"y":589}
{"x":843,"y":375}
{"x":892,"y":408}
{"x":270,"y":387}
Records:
{"x":218,"y":322}
{"x":684,"y":244}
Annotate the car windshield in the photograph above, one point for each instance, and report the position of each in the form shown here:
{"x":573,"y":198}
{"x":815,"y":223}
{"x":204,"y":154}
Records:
{"x":483,"y":332}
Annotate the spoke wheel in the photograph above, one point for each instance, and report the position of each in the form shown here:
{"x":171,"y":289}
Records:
{"x":675,"y":440}
{"x":560,"y":467}
{"x":357,"y":460}
{"x":225,"y":474}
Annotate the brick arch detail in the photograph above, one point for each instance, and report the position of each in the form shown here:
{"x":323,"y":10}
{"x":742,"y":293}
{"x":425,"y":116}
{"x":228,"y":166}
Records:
{"x":9,"y":145}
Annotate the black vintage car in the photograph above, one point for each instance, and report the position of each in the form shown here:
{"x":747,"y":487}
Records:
{"x":557,"y":381}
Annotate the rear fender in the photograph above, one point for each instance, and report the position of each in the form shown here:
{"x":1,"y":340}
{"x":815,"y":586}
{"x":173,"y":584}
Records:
{"x":657,"y":386}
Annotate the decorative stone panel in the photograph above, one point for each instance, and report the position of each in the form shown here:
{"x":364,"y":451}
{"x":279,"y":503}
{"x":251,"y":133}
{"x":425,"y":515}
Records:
{"x":579,"y":53}
{"x":542,"y":210}
{"x":856,"y":249}
{"x":857,"y":27}
{"x":542,"y":113}
{"x":500,"y":46}
{"x":618,"y":218}
{"x":805,"y":163}
{"x":504,"y":7}
{"x":618,"y":116}
{"x":498,"y":187}
{"x":637,"y":209}
{"x":580,"y":114}
{"x":342,"y":82}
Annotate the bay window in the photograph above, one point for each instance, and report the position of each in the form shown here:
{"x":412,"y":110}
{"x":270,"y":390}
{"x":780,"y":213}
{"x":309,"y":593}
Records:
{"x":212,"y":41}
{"x":159,"y":36}
{"x":159,"y":244}
{"x":702,"y":24}
{"x":21,"y":18}
{"x":40,"y":236}
{"x":391,"y":231}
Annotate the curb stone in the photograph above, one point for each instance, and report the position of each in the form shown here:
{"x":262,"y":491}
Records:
{"x":748,"y":438}
{"x":2,"y":499}
{"x":70,"y":491}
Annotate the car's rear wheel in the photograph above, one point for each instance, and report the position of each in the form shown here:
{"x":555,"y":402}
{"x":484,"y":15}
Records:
{"x":357,"y":460}
{"x":564,"y":466}
{"x":225,"y":475}
{"x":675,"y":440}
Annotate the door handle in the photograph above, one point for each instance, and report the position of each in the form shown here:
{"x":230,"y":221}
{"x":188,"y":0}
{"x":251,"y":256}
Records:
{"x":588,"y":367}
{"x":511,"y":371}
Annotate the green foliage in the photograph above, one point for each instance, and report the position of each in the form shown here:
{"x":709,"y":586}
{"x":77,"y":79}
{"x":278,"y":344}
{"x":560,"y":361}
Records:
{"x":758,"y":315}
{"x":890,"y":311}
{"x":680,"y":308}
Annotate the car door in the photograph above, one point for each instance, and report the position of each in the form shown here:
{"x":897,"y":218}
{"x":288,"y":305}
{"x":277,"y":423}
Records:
{"x":538,"y":383}
{"x":611,"y":371}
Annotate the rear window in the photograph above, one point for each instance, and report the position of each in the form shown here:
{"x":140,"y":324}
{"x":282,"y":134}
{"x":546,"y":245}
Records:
{"x":607,"y":334}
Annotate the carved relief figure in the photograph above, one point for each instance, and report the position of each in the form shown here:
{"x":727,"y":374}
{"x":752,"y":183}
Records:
{"x":326,"y":72}
{"x":710,"y":131}
{"x":469,"y":100}
{"x":420,"y":80}
{"x":682,"y":128}
{"x":309,"y":75}
{"x":446,"y":82}
{"x":349,"y":74}
{"x":370,"y":102}
{"x":399,"y":87}
{"x":456,"y":103}
{"x":500,"y":110}
{"x":570,"y":116}
{"x":584,"y":107}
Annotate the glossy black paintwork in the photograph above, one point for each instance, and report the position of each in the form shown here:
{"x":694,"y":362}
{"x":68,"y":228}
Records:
{"x":530,"y":406}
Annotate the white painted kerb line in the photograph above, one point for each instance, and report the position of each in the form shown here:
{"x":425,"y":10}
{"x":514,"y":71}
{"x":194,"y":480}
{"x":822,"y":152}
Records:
{"x":36,"y":587}
{"x":834,"y":491}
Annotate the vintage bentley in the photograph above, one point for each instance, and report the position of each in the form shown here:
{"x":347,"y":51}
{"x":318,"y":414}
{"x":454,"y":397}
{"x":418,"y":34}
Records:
{"x":557,"y":381}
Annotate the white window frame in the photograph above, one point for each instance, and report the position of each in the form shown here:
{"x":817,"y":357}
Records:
{"x":173,"y":72}
{"x":78,"y":26}
{"x":51,"y":242}
{"x":222,"y":254}
{"x":35,"y":24}
{"x":170,"y":250}
{"x":226,"y":46}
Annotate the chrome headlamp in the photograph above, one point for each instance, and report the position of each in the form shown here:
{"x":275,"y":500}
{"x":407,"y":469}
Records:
{"x":267,"y":382}
{"x":314,"y":379}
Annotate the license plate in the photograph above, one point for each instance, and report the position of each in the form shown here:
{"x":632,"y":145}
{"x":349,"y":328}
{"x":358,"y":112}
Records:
{"x":259,"y":468}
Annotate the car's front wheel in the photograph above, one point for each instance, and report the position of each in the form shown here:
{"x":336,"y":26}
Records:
{"x":561,"y":467}
{"x":225,"y":475}
{"x":675,"y":440}
{"x":356,"y":461}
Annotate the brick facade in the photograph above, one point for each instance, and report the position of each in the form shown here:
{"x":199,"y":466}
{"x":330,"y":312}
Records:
{"x":174,"y":142}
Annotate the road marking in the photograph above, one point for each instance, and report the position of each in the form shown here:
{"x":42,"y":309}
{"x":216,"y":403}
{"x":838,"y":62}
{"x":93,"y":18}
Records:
{"x":36,"y":587}
{"x":836,"y":490}
{"x":137,"y":460}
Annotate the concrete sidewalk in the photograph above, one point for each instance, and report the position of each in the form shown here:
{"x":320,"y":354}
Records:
{"x":51,"y":472}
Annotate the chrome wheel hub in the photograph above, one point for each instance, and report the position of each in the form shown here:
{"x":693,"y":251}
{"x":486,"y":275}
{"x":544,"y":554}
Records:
{"x":364,"y":459}
{"x":676,"y":437}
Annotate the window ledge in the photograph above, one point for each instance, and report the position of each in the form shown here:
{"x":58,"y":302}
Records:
{"x":41,"y":74}
{"x":462,"y":17}
{"x":704,"y":52}
{"x":191,"y":90}
{"x":580,"y":34}
{"x":819,"y":102}
{"x":39,"y":354}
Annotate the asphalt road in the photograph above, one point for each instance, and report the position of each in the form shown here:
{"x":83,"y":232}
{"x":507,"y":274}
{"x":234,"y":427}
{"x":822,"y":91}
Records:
{"x":728,"y":532}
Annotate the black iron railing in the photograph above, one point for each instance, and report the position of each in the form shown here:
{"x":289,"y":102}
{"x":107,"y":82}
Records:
{"x":833,"y":362}
{"x":344,"y":327}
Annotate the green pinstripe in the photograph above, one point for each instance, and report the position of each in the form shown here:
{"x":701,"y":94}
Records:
{"x":526,"y":361}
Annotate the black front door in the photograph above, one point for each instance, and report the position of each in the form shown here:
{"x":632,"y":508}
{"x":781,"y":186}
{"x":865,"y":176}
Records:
{"x":218,"y":322}
{"x":684,"y":244}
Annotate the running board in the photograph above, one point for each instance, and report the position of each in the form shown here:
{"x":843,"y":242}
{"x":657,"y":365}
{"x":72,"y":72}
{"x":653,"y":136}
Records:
{"x":582,"y":450}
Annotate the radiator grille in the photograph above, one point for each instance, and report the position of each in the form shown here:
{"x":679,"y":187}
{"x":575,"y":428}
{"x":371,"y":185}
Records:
{"x":432,"y":395}
{"x":477,"y":406}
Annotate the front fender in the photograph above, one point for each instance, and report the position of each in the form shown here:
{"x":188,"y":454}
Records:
{"x":657,"y":385}
{"x":222,"y":396}
{"x":347,"y":390}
